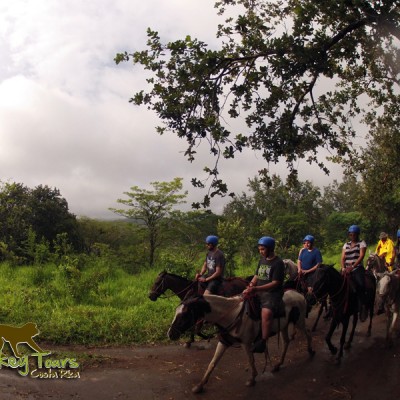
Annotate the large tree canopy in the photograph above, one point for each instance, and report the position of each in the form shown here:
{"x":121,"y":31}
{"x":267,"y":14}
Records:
{"x":299,"y":73}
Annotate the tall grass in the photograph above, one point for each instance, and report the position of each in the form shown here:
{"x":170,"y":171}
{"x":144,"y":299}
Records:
{"x":95,"y":306}
{"x":97,"y":303}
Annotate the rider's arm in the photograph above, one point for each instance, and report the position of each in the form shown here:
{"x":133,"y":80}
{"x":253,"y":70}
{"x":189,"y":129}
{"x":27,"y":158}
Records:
{"x":268,"y":286}
{"x":203,"y":270}
{"x":343,"y":259}
{"x":359,"y":259}
{"x":216,"y":274}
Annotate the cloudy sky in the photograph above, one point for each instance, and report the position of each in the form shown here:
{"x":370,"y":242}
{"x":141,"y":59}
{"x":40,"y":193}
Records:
{"x":65,"y":119}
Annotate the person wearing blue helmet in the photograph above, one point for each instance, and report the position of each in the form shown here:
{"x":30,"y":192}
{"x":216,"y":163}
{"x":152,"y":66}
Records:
{"x":353,"y":253}
{"x":211,"y":274}
{"x":308,"y":261}
{"x":267,"y":284}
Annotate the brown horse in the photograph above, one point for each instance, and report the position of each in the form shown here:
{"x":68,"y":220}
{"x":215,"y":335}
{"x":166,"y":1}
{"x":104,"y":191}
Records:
{"x":297,"y":282}
{"x":344,"y":302}
{"x":237,"y":327}
{"x":184,"y":288}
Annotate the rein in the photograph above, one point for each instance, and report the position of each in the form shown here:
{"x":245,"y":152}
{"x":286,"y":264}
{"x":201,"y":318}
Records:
{"x":160,"y":288}
{"x":345,"y":281}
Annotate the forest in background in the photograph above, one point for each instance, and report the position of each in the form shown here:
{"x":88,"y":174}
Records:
{"x":87,"y":281}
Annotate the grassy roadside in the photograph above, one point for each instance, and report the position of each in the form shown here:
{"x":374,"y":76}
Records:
{"x":97,"y":304}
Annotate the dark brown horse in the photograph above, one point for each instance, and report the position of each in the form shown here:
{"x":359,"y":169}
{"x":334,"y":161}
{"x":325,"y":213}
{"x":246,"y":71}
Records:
{"x":344,"y":302}
{"x":297,"y":282}
{"x":184,"y":288}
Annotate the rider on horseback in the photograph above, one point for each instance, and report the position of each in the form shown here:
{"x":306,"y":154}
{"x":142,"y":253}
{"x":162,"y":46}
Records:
{"x":267,"y":283}
{"x":309,"y":260}
{"x":353,"y":253}
{"x":385,"y":250}
{"x":212,"y":271}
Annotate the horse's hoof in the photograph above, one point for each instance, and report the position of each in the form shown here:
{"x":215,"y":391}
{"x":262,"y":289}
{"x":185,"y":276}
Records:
{"x":197,"y":389}
{"x":276,"y":368}
{"x":250,"y":382}
{"x":187,"y":345}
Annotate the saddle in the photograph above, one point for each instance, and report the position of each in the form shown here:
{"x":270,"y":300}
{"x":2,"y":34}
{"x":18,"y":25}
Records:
{"x":252,"y":307}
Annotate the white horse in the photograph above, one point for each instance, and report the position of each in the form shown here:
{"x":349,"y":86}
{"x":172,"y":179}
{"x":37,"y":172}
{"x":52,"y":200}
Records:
{"x":291,"y":270}
{"x":237,"y":327}
{"x":376,"y":265}
{"x":389,"y":298}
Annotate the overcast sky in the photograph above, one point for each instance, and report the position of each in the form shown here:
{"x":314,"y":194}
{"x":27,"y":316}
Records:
{"x":65,"y":119}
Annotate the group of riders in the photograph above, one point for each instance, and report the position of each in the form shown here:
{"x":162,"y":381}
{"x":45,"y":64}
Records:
{"x":268,"y":280}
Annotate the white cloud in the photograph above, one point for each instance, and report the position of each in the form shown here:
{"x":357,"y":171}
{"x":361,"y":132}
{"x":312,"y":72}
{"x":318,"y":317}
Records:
{"x":65,"y":120}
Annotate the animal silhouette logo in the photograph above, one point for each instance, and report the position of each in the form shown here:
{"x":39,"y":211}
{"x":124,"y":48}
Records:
{"x":16,"y":335}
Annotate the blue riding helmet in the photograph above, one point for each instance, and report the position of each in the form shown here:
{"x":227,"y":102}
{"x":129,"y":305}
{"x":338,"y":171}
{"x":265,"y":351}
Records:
{"x":267,"y":241}
{"x":398,"y":233}
{"x":354,"y":229}
{"x":212,"y":240}
{"x":308,"y":238}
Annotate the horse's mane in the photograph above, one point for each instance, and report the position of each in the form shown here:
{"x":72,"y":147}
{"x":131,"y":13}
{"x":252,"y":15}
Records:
{"x":378,"y":265}
{"x":176,"y":276}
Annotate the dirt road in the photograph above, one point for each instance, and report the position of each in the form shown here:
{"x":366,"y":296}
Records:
{"x":369,"y":371}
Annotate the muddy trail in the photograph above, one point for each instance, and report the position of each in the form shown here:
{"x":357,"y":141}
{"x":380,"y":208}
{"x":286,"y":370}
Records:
{"x":369,"y":370}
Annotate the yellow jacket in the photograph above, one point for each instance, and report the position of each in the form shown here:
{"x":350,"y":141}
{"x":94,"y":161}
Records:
{"x":386,"y":248}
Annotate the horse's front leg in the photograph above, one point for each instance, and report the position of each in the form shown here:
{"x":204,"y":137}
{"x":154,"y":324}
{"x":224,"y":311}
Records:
{"x":391,"y":318}
{"x":321,"y":309}
{"x":389,"y":324}
{"x":328,"y":337}
{"x":353,"y":329}
{"x":219,"y":351}
{"x":345,"y":325}
{"x":191,"y":340}
{"x":250,"y":357}
{"x":285,"y":338}
{"x":371,"y":315}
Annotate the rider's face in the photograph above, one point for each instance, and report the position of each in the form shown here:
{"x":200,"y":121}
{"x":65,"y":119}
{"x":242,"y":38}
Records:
{"x":263,"y":251}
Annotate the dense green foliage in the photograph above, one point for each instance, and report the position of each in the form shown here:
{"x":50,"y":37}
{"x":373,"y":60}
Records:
{"x":287,"y":78}
{"x":91,"y":300}
{"x":31,"y":217}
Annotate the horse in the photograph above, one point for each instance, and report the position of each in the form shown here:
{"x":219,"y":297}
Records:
{"x":376,"y":265}
{"x":344,"y":303}
{"x":291,"y":270}
{"x":294,"y":281}
{"x":389,"y":300}
{"x":237,"y":327}
{"x":183,"y":288}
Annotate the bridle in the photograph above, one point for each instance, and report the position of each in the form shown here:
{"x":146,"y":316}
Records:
{"x":160,"y":289}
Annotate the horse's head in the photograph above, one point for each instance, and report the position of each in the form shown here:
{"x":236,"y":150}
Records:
{"x":186,"y":316}
{"x":376,"y":265}
{"x":158,"y":287}
{"x":323,"y":280}
{"x":290,"y":268}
